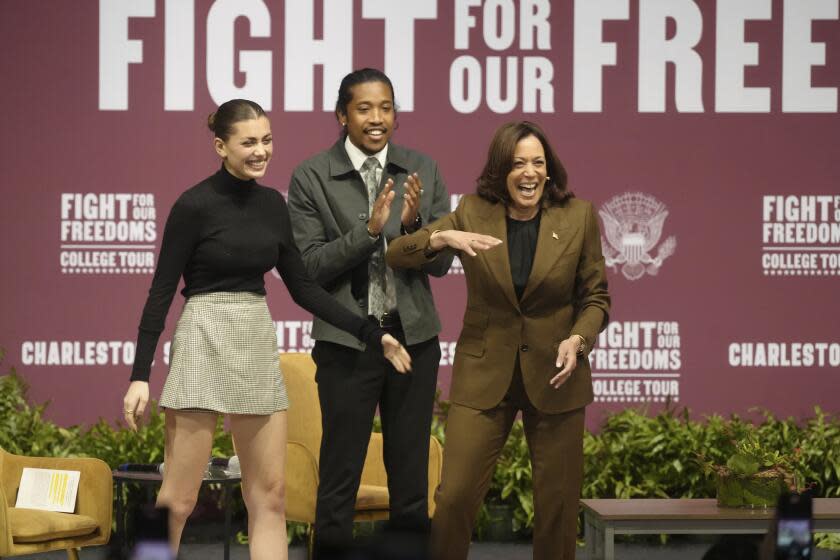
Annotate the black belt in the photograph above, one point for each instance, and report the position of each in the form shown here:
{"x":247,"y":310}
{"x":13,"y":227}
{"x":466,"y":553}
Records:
{"x":388,"y":321}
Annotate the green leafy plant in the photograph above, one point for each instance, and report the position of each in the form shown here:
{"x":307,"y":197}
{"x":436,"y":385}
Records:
{"x":754,"y":475}
{"x":24,"y":430}
{"x":750,"y":457}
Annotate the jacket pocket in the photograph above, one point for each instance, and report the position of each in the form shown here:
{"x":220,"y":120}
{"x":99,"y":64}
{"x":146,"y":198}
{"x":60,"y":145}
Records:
{"x":470,"y":346}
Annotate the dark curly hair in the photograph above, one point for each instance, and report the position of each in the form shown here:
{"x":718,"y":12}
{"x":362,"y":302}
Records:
{"x":492,"y":183}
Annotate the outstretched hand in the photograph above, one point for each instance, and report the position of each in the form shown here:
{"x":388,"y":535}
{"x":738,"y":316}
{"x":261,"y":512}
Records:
{"x":396,"y":353}
{"x":465,"y":241}
{"x":134,"y":402}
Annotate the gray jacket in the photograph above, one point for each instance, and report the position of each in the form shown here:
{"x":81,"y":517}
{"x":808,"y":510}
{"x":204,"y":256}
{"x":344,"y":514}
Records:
{"x":328,"y":204}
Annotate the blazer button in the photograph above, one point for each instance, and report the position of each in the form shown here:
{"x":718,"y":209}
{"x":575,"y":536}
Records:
{"x":362,"y":216}
{"x":523,"y":348}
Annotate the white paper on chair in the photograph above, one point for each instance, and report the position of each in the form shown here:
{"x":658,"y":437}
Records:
{"x":48,"y":489}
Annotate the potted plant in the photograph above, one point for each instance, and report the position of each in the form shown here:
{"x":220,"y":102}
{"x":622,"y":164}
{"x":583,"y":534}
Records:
{"x":753,"y":476}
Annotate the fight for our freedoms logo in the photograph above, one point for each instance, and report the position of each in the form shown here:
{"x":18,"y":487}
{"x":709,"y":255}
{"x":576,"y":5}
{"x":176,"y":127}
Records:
{"x":633,"y":224}
{"x":637,"y":361}
{"x":294,"y":336}
{"x":800,"y":235}
{"x":107,"y":233}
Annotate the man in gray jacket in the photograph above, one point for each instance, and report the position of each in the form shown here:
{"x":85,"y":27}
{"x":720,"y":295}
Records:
{"x":346,"y":203}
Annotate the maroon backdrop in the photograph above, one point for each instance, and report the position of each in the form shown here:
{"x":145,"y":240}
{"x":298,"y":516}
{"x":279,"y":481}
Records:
{"x":705,"y":132}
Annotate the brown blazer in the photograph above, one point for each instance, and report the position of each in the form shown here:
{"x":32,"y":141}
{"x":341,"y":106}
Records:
{"x":566,"y":294}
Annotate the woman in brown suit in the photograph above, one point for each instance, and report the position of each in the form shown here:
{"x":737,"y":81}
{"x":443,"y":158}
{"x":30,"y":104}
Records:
{"x":535,"y":305}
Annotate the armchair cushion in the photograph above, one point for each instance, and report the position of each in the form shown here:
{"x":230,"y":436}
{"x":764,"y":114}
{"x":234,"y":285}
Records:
{"x":33,"y":525}
{"x":372,"y":497}
{"x":27,"y":531}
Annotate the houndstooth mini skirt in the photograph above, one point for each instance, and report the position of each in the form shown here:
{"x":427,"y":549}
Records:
{"x":224,"y":357}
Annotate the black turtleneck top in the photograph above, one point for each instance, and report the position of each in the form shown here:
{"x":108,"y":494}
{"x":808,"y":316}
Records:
{"x":522,"y":246}
{"x":223,"y":235}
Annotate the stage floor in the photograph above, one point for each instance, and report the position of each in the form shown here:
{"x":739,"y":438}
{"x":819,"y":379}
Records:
{"x":479,"y":551}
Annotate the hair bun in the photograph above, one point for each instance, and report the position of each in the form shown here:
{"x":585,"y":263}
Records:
{"x":222,"y":121}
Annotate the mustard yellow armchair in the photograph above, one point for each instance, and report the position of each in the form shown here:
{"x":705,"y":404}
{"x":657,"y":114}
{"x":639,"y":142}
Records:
{"x":29,"y":531}
{"x":304,"y":446}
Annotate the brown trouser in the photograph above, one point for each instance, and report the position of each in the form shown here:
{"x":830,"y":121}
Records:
{"x":474,"y":440}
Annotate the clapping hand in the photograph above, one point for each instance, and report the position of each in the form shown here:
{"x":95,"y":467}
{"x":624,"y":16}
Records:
{"x":413,"y":189}
{"x":381,"y":209}
{"x":465,"y":241}
{"x":396,"y":353}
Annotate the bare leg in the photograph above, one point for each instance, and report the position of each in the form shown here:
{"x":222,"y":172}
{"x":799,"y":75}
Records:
{"x":261,"y":446}
{"x":189,"y":440}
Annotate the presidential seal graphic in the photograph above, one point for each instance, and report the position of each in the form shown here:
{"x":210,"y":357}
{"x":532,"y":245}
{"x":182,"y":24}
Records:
{"x":633,"y":225}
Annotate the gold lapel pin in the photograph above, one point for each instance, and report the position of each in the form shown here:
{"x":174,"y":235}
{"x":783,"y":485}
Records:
{"x":554,"y":235}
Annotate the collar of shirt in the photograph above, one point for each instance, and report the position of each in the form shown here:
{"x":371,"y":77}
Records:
{"x":358,"y":157}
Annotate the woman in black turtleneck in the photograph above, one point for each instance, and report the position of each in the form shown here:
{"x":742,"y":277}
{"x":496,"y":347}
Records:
{"x":222,"y":236}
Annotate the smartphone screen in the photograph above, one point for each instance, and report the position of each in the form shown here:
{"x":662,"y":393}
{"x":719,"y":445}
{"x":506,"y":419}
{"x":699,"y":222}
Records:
{"x":793,"y":528}
{"x":152,"y":550}
{"x":152,"y":535}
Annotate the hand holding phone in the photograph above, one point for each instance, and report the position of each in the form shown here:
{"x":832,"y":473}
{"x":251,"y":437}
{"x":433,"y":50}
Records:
{"x":794,"y":527}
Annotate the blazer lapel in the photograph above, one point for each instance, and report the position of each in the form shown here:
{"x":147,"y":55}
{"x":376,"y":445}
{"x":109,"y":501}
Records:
{"x":553,"y":240}
{"x":496,"y":259}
